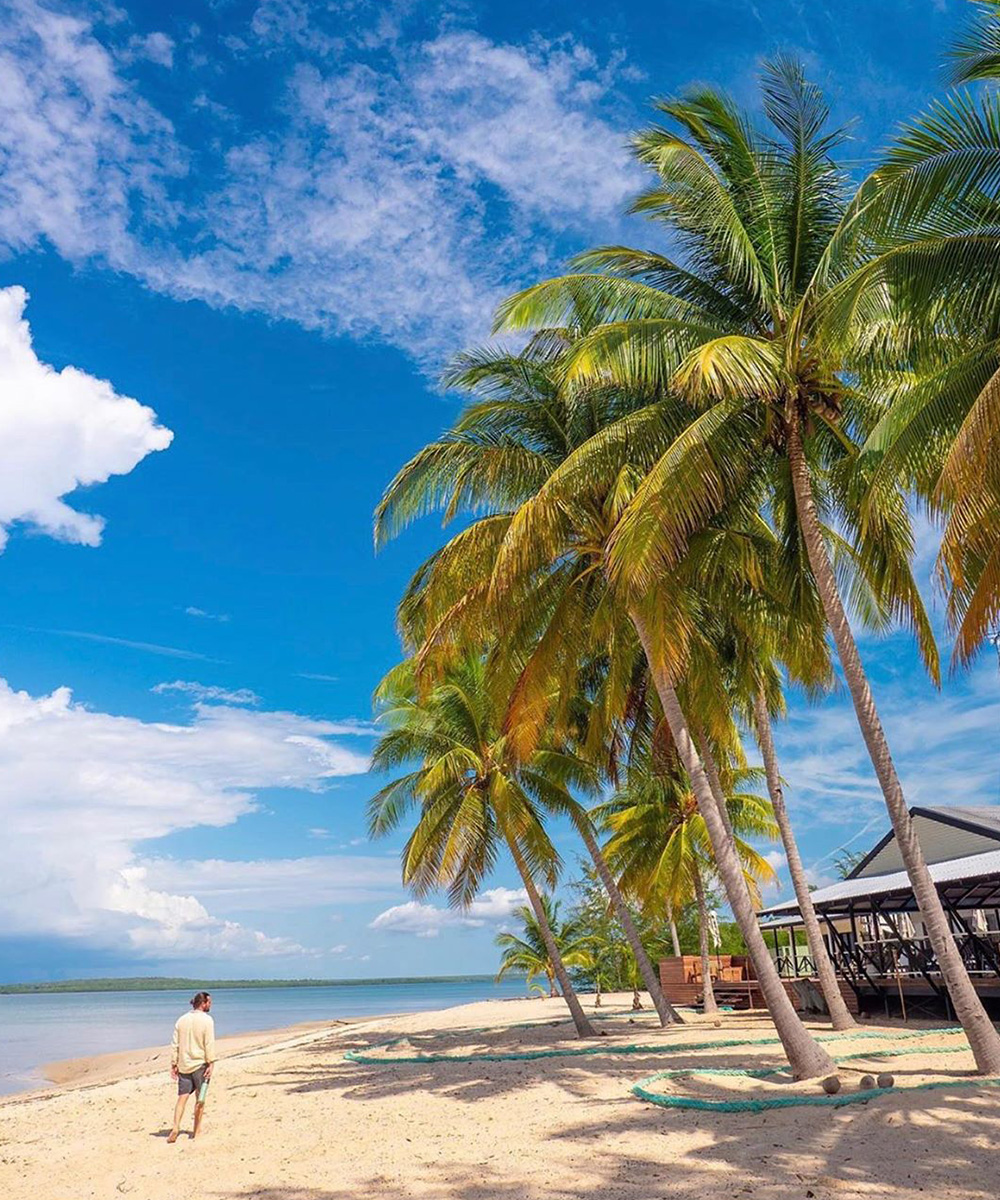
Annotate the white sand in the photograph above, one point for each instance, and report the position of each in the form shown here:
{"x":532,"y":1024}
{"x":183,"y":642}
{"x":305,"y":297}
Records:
{"x":294,"y":1121}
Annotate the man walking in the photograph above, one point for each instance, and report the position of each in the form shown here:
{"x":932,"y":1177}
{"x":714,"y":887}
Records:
{"x":192,"y":1054}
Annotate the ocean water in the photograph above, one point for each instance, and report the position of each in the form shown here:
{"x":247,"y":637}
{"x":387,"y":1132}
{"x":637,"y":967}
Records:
{"x":36,"y":1029}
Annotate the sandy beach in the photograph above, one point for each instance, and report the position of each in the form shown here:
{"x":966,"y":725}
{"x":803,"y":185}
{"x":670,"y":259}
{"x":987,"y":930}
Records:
{"x":290,"y":1119}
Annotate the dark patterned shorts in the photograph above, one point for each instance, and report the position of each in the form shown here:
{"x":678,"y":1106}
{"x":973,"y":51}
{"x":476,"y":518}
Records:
{"x":188,"y":1083}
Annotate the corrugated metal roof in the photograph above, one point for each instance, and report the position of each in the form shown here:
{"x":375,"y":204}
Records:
{"x":945,"y":832}
{"x":974,"y":866}
{"x":988,"y":816}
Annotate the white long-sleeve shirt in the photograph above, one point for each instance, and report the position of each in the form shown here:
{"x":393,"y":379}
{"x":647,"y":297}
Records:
{"x":193,"y":1044}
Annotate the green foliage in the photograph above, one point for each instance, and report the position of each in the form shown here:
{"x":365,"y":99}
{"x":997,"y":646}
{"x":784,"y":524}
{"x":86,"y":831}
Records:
{"x":603,"y":956}
{"x":526,"y":952}
{"x":846,"y":861}
{"x":470,"y":795}
{"x":658,"y":842}
{"x":605,"y":961}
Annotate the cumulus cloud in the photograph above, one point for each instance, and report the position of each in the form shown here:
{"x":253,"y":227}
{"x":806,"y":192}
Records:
{"x":80,"y":790}
{"x":201,"y":691}
{"x":60,"y":430}
{"x":427,"y":920}
{"x":394,"y":199}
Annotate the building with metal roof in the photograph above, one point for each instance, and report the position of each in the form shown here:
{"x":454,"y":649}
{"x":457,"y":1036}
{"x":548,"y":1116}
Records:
{"x":872,"y":924}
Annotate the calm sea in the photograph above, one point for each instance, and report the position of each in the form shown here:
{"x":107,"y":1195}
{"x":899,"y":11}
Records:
{"x":38,"y":1029}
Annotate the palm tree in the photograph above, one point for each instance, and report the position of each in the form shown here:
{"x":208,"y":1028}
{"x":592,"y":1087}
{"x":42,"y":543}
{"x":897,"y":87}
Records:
{"x":939,"y":196}
{"x":527,"y":952}
{"x":472,"y":797}
{"x":976,"y":53}
{"x":659,"y":843}
{"x":502,"y":449}
{"x":548,"y":592}
{"x":766,"y":328}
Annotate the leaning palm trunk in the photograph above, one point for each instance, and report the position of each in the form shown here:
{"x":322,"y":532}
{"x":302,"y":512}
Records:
{"x":805,"y":1055}
{"x":666,"y":1012}
{"x":708,"y":1003}
{"x":675,"y":940}
{"x":583,"y":1026}
{"x":714,"y":782}
{"x":836,"y":1006}
{"x":969,"y":1010}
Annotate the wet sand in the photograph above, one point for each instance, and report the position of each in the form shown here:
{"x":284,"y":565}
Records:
{"x":127,"y":1064}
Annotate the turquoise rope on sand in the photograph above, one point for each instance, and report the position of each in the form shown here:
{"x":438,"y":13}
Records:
{"x":837,"y":1100}
{"x":751,"y":1104}
{"x":369,"y":1059}
{"x":759,"y":1105}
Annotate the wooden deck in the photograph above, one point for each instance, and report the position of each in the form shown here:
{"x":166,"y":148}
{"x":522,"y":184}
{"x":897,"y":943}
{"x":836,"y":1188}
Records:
{"x":733,"y":982}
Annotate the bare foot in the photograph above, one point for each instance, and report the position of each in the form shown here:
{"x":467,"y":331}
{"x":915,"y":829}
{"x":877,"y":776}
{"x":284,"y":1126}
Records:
{"x":172,"y":1137}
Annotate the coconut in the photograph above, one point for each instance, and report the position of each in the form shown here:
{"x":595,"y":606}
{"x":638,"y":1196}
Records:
{"x":886,"y":1081}
{"x":866,"y":1082}
{"x":831,"y":1085}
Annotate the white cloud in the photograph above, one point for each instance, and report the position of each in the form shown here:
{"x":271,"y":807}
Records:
{"x":201,"y":691}
{"x":107,"y":639}
{"x":85,"y":157}
{"x":525,"y":121}
{"x":427,"y":920}
{"x":272,"y":884}
{"x":60,"y":430}
{"x":396,"y":202}
{"x":81,"y":790}
{"x":284,"y":22}
{"x":193,"y":611}
{"x":936,"y":739}
{"x":156,"y":47}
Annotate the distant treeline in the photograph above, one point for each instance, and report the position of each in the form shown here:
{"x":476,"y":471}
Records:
{"x":162,"y":983}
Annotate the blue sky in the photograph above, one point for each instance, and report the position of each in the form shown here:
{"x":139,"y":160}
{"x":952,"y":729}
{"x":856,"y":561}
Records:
{"x":269,"y":224}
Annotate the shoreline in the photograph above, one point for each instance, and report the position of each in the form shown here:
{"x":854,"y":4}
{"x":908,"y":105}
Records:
{"x":67,"y":1040}
{"x":94,"y":1070}
{"x":69,"y":1073}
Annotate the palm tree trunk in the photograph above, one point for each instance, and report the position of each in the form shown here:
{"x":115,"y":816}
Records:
{"x":708,"y":1004}
{"x":806,"y":1056}
{"x":836,"y":1006}
{"x":583,"y":1026}
{"x":676,"y":941}
{"x":665,"y":1010}
{"x":983,"y":1038}
{"x":714,"y":782}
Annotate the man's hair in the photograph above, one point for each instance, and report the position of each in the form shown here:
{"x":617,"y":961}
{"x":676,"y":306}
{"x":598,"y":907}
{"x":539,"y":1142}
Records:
{"x":199,"y":999}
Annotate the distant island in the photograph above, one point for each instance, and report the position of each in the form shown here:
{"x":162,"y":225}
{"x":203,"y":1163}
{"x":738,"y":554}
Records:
{"x":161,"y":983}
